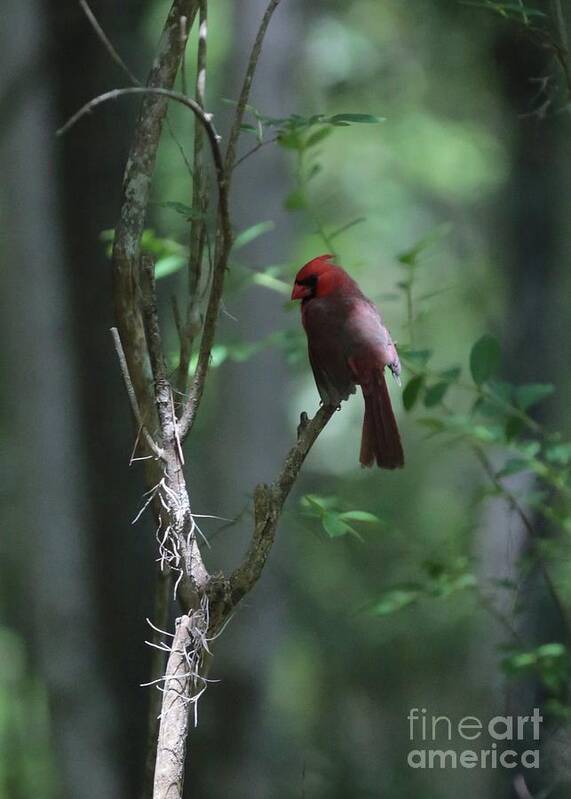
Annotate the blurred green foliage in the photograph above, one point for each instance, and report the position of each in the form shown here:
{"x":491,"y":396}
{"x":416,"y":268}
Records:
{"x":26,"y":761}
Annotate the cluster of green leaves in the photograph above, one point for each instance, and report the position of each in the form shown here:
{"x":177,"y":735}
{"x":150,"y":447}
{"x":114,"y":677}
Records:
{"x":439,"y":580}
{"x":288,"y":341}
{"x":550,"y":663}
{"x":471,"y":403}
{"x":498,"y":415}
{"x":302,"y":136}
{"x":170,"y":256}
{"x":297,"y":131}
{"x":334,"y":521}
{"x":498,"y":412}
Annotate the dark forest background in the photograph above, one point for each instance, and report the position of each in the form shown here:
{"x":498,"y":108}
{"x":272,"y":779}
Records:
{"x":473,"y":159}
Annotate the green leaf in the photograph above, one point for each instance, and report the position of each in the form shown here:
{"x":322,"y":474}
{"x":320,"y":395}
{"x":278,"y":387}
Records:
{"x":396,"y":600}
{"x":465,"y":581}
{"x":314,"y":171}
{"x":349,"y":119}
{"x":291,"y":140}
{"x":420,"y":357}
{"x":532,"y":393}
{"x":251,"y":233}
{"x":521,"y":661}
{"x":550,"y":661}
{"x":514,"y":427}
{"x":559,"y":454}
{"x":553,"y":650}
{"x":335,"y":527}
{"x":270,"y":281}
{"x":411,"y":391}
{"x":158,"y":246}
{"x":435,"y":394}
{"x":244,"y":350}
{"x":484,"y":358}
{"x":317,"y":503}
{"x":410,"y":257}
{"x":168,"y":266}
{"x":486,"y":434}
{"x":434,"y":424}
{"x":451,"y":374}
{"x":317,"y":137}
{"x":360,"y":516}
{"x":108,"y":237}
{"x":295,"y":201}
{"x":529,"y":448}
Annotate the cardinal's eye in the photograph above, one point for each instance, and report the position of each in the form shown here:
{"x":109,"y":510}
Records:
{"x":310,"y":281}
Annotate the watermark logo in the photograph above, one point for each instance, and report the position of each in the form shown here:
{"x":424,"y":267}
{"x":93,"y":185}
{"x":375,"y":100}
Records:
{"x":432,"y":737}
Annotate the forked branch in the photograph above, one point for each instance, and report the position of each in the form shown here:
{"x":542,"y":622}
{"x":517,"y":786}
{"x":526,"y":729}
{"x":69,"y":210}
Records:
{"x":226,"y":593}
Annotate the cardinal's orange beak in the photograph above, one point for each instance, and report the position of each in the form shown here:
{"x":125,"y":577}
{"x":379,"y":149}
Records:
{"x":299,"y":291}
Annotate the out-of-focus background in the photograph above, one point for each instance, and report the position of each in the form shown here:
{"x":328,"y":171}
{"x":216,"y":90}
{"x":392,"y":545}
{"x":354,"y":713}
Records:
{"x":317,"y":673}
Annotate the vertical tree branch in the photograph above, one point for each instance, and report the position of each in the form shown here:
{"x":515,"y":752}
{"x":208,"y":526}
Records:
{"x":160,"y":620}
{"x":107,"y":43}
{"x":173,"y":729}
{"x":136,"y":187}
{"x":200,"y":207}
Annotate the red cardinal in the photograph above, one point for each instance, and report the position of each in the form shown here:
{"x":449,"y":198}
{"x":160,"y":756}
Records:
{"x":348,"y":344}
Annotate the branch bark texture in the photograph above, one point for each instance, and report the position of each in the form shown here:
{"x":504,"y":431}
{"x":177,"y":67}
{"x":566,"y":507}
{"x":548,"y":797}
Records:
{"x":173,"y":730}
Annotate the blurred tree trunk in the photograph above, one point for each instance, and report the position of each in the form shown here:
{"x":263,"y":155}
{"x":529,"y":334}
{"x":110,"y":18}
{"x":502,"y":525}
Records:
{"x":531,"y":218}
{"x":72,"y":541}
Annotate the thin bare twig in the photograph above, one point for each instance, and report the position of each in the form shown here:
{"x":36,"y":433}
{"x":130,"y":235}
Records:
{"x":205,"y":119}
{"x":123,"y":66}
{"x":200,"y":206}
{"x":223,"y":239}
{"x":490,"y":606}
{"x":246,"y":86}
{"x":254,"y":149}
{"x":153,"y":446}
{"x":107,"y":43}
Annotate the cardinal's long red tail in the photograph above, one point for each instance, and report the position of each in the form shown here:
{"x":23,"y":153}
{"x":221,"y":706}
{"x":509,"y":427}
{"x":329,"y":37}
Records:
{"x":380,"y":440}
